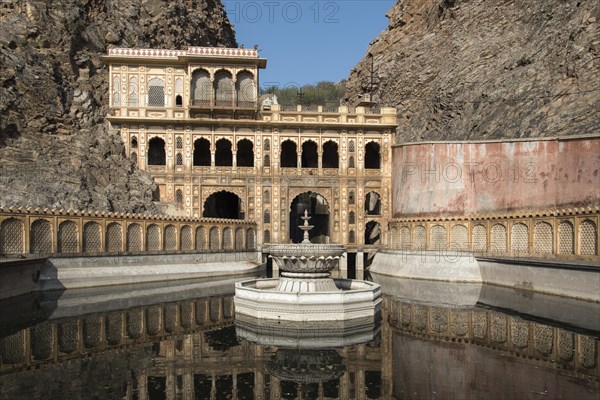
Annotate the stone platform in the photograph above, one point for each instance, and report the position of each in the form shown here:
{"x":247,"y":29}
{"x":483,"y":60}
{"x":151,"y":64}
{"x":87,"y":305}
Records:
{"x":351,"y":300}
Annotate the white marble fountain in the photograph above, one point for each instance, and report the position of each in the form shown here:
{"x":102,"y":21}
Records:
{"x":306,"y":291}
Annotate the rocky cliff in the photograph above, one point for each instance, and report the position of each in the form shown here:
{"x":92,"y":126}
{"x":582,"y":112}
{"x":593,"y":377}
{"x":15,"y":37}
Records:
{"x":474,"y":69}
{"x":55,"y":148}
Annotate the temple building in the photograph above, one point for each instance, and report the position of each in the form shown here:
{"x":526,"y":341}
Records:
{"x":193,"y":120}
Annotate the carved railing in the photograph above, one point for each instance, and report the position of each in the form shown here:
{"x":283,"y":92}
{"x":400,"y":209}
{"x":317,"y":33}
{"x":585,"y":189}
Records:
{"x":497,"y":331}
{"x":568,"y":234}
{"x":71,"y":233}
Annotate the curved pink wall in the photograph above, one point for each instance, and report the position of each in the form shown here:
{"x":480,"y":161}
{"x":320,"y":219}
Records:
{"x":469,"y":178}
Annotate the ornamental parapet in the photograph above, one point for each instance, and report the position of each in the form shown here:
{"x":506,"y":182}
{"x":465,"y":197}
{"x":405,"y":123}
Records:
{"x":191,"y":51}
{"x":570,"y":233}
{"x":59,"y":232}
{"x":324,"y":115}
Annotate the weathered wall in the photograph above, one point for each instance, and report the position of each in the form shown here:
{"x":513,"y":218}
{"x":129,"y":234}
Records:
{"x":483,"y":177}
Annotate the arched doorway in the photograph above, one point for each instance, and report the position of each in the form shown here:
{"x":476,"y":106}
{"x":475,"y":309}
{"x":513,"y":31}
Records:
{"x":318,"y":209}
{"x":223,"y":205}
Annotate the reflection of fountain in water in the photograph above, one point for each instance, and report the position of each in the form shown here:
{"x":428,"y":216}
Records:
{"x":306,"y":291}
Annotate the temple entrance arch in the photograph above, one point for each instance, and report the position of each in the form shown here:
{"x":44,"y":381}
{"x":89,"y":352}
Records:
{"x":318,"y":209}
{"x":223,"y":205}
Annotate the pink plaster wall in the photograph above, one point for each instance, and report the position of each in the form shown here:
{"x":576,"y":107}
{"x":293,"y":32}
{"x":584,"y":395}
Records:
{"x":468,"y":178}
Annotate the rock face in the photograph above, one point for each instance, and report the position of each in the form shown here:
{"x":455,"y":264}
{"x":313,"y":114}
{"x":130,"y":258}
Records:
{"x":473,"y":69}
{"x":55,"y":147}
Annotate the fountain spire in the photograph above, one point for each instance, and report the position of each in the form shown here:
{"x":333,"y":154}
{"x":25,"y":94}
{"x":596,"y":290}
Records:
{"x":306,"y":227}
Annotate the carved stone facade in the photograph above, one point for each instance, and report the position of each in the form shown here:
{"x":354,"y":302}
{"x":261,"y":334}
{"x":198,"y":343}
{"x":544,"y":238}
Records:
{"x":208,"y":133}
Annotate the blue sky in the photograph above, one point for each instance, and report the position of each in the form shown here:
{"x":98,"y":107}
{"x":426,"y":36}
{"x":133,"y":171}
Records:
{"x":308,"y":41}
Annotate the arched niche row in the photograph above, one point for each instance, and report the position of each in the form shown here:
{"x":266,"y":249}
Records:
{"x":223,"y":205}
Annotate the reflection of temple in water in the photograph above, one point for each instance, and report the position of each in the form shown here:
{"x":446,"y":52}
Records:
{"x":185,"y":350}
{"x":189,"y":350}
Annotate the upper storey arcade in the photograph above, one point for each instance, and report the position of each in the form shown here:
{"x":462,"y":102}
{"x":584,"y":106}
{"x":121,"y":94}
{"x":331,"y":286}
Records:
{"x":210,"y":83}
{"x":197,"y":82}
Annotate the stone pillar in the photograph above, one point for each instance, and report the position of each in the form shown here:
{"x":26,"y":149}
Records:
{"x":360,"y":264}
{"x":343,"y":266}
{"x":274,"y":388}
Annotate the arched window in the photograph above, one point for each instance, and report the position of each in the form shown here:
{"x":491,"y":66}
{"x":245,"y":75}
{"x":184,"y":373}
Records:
{"x":179,"y":143}
{"x":134,"y":142}
{"x":267,"y":161}
{"x":351,"y":237}
{"x":156,"y":152}
{"x":245,"y":153}
{"x":267,"y":217}
{"x":372,"y":233}
{"x":179,"y":159}
{"x":201,"y":87}
{"x":267,"y":145}
{"x":202,"y":153}
{"x":372,"y":156}
{"x":178,"y":92}
{"x":372,"y":204}
{"x":289,"y":155}
{"x":331,"y":158}
{"x":266,"y":197}
{"x":133,"y":91}
{"x":223,"y":89}
{"x":351,"y":198}
{"x":223,"y":154}
{"x":116,"y":90}
{"x":156,"y":92}
{"x":179,"y":197}
{"x":351,"y":146}
{"x":351,"y":163}
{"x":309,"y":155}
{"x":351,"y":218}
{"x":267,"y":237}
{"x":246,"y":89}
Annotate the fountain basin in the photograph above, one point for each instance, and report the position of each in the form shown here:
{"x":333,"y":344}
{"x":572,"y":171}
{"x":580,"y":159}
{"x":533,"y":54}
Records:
{"x":351,"y":299}
{"x":306,"y":258}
